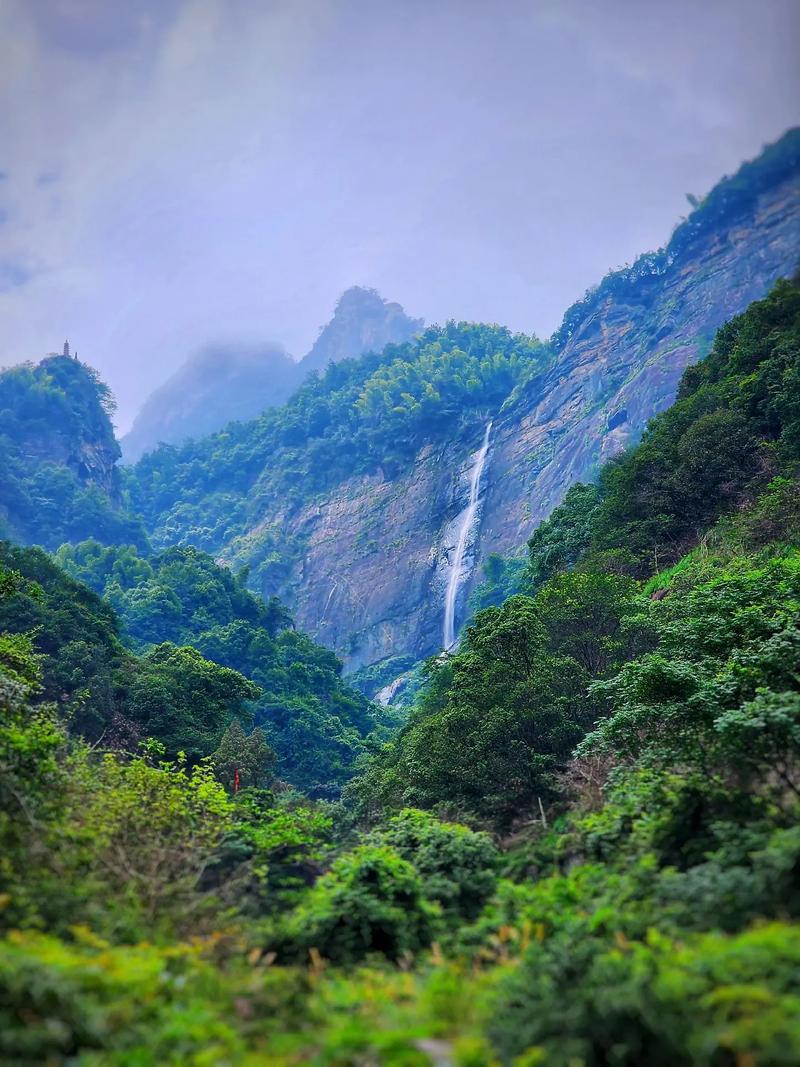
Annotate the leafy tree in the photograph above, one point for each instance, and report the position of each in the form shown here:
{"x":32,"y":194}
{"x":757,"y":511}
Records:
{"x":456,"y":864}
{"x":144,"y":836}
{"x":31,"y":783}
{"x":287,"y":841}
{"x":242,"y":760}
{"x":585,"y":614}
{"x":185,"y":700}
{"x":559,"y":542}
{"x":724,"y":637}
{"x":659,"y":1002}
{"x":371,"y":901}
{"x":489,"y":739}
{"x":764,"y":734}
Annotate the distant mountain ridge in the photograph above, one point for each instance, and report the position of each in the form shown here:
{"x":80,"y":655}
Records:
{"x":226,"y":383}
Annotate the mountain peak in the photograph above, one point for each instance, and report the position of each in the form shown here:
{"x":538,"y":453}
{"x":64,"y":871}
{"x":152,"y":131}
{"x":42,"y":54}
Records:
{"x":226,"y":382}
{"x":363,"y":298}
{"x":59,"y":456}
{"x":359,"y":293}
{"x":362,"y":322}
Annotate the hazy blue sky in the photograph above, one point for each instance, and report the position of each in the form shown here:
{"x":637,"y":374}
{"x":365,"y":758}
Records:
{"x":182,"y":171}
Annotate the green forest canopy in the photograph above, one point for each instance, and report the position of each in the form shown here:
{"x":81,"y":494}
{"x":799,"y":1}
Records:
{"x":360,"y":415}
{"x":58,"y":480}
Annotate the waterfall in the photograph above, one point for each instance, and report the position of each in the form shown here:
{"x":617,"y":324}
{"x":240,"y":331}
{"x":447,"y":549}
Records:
{"x":457,"y":568}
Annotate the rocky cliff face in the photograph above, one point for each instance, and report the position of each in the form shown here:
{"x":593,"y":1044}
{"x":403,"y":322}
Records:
{"x":371,"y":577}
{"x":620,"y":361}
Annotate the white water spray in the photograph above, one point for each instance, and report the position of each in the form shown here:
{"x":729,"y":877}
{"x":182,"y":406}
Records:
{"x":457,"y":568}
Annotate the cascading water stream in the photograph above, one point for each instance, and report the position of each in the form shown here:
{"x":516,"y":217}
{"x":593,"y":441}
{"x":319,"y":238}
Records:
{"x":457,"y":569}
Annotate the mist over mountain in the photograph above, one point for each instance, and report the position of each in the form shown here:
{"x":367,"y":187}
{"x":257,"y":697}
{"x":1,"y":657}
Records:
{"x":349,"y":501}
{"x":224,"y":383}
{"x":213,"y":387}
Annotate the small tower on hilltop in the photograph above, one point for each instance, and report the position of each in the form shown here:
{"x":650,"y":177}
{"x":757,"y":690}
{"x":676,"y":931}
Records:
{"x":66,"y":350}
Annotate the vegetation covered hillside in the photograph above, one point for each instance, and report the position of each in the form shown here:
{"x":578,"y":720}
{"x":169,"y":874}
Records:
{"x":176,"y":650}
{"x":58,"y":475}
{"x":582,"y":849}
{"x":361,"y":416}
{"x":106,"y":694}
{"x":316,"y":724}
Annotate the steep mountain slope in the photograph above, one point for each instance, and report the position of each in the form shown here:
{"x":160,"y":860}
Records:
{"x":58,"y":475}
{"x":223,"y":384}
{"x":351,"y":500}
{"x":313,"y":720}
{"x":621,"y":351}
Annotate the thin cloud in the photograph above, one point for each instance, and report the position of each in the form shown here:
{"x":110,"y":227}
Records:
{"x":13,"y":275}
{"x":226,"y":168}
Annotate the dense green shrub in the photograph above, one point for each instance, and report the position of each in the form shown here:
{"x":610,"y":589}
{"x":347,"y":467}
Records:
{"x":710,"y":1000}
{"x":370,"y":902}
{"x":456,"y":864}
{"x":186,"y":701}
